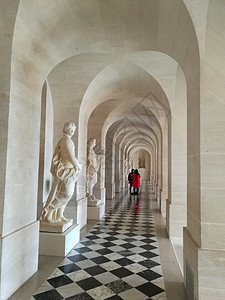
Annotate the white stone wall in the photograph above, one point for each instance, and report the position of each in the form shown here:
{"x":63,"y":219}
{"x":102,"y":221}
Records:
{"x":89,"y":59}
{"x":45,"y":148}
{"x":207,"y":243}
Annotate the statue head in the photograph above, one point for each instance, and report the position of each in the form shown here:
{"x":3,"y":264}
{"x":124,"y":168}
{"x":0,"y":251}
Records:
{"x":91,"y":142}
{"x":69,"y":128}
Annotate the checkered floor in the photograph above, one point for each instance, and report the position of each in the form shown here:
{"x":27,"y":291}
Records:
{"x":118,"y":258}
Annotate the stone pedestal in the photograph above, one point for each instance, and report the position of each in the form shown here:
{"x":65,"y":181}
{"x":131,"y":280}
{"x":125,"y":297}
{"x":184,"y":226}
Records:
{"x":95,"y":213}
{"x":55,"y":227}
{"x":19,"y":253}
{"x":59,"y":244}
{"x":93,"y":202}
{"x":204,"y":274}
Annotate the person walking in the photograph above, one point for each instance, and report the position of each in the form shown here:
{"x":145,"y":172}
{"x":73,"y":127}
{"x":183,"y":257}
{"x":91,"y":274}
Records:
{"x":130,"y":179}
{"x":136,"y":182}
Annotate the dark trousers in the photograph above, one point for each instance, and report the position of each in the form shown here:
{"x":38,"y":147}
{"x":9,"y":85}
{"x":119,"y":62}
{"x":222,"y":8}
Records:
{"x":136,"y":190}
{"x":130,"y":187}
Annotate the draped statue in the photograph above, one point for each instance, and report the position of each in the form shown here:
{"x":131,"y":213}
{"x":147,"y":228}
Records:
{"x":65,"y":169}
{"x":126,"y":167}
{"x":141,"y":162}
{"x":93,"y":163}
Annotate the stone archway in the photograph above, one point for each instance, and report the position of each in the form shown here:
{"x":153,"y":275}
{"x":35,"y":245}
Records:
{"x":59,"y":31}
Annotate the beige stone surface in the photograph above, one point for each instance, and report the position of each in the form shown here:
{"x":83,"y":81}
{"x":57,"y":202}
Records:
{"x":211,"y":268}
{"x":20,"y":244}
{"x":210,"y":293}
{"x":212,"y":235}
{"x":46,"y":227}
{"x":138,"y":75}
{"x":212,"y":198}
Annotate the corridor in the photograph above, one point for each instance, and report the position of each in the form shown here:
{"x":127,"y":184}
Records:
{"x":143,"y":81}
{"x":117,"y":259}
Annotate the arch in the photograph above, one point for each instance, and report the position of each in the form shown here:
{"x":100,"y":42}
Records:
{"x":69,"y":28}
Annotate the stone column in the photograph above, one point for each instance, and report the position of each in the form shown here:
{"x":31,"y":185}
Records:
{"x":177,"y":203}
{"x":204,"y":243}
{"x":164,"y":185}
{"x":109,"y":169}
{"x":46,"y":148}
{"x":123,"y":175}
{"x":19,"y":229}
{"x":204,"y":252}
{"x":102,"y":176}
{"x":117,"y":169}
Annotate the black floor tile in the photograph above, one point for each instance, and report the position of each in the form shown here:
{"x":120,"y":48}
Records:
{"x":131,"y":234}
{"x":113,"y":233}
{"x":148,"y":239}
{"x":128,"y":246}
{"x":88,"y":283}
{"x":49,"y":295}
{"x":118,"y":286}
{"x":97,"y":231}
{"x":149,"y":263}
{"x":95,"y":270}
{"x":104,"y":251}
{"x":124,"y":261}
{"x":81,"y":296}
{"x":149,"y":275}
{"x":116,"y":297}
{"x":93,"y":237}
{"x":126,"y":252}
{"x":148,"y":247}
{"x":121,"y":272}
{"x":148,"y":254}
{"x":100,"y":260}
{"x":88,"y":243}
{"x":59,"y":281}
{"x":76,"y":258}
{"x":107,"y":244}
{"x":110,"y":238}
{"x":149,"y":289}
{"x":83,"y":250}
{"x":69,"y":268}
{"x":129,"y":240}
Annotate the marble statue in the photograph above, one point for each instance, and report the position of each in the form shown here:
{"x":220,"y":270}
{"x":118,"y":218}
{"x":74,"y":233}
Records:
{"x":141,"y":162}
{"x":126,"y":167}
{"x":65,"y":169}
{"x":93,"y":163}
{"x":130,"y":164}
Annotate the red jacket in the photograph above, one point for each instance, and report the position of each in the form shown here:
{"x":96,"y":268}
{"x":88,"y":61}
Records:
{"x":136,"y":180}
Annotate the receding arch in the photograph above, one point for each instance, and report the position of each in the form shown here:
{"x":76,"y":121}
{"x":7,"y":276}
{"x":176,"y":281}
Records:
{"x":62,"y":28}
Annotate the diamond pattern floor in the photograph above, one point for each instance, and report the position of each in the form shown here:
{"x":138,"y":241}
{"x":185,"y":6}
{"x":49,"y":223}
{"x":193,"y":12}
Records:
{"x":117,"y":259}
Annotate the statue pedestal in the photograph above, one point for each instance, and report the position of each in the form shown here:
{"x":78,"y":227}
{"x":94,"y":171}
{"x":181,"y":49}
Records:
{"x":95,"y":212}
{"x":55,"y":227}
{"x":59,"y":244}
